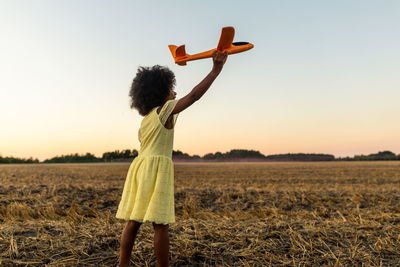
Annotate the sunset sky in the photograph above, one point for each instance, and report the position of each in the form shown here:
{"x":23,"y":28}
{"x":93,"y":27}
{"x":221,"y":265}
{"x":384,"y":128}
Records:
{"x":323,"y":76}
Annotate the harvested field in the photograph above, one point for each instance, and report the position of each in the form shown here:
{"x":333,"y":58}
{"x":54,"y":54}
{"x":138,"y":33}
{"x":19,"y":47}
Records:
{"x":228,"y":214}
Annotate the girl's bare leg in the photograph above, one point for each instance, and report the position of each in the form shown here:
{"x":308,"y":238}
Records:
{"x":127,"y":240}
{"x":161,"y":244}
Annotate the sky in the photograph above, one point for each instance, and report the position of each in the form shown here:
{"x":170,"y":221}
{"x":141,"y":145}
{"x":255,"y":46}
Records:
{"x":322,"y":76}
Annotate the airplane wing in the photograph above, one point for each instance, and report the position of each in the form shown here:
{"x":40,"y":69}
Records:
{"x":225,"y":41}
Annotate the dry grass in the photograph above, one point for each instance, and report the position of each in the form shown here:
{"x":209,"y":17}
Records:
{"x":228,"y":214}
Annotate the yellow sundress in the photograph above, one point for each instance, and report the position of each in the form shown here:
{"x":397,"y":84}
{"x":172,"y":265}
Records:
{"x":148,"y":193}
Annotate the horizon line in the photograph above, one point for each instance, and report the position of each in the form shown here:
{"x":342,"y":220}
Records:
{"x":84,"y":153}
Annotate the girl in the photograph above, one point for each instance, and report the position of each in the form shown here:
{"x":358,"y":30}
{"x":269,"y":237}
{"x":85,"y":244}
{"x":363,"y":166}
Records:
{"x":148,"y":193}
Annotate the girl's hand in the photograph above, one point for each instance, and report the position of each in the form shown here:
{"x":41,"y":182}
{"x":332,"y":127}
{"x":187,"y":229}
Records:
{"x":219,"y":59}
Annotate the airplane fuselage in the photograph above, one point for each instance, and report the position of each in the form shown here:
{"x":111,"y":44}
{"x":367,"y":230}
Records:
{"x":236,"y":47}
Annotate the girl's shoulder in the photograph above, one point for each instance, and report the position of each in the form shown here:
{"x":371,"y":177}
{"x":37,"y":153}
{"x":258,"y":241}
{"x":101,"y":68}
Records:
{"x":159,"y":110}
{"x":161,"y":113}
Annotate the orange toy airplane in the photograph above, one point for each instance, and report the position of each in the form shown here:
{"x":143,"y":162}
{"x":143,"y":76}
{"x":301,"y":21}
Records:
{"x":224,"y":44}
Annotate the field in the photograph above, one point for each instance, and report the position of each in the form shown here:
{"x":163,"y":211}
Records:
{"x":227,"y":214}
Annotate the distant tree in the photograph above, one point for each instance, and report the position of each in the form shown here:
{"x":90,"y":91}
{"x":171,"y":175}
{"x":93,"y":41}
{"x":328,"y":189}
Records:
{"x":180,"y":155}
{"x":234,"y":154}
{"x":382,"y":155}
{"x":301,"y":157}
{"x":243,"y":153}
{"x":134,"y":153}
{"x":120,"y":155}
{"x":346,"y":159}
{"x":73,"y":158}
{"x":177,"y":153}
{"x":11,"y":160}
{"x":218,"y":155}
{"x":209,"y":156}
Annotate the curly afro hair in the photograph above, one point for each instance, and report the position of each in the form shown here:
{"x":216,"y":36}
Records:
{"x":150,"y":88}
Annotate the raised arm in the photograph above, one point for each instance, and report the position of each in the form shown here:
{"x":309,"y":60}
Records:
{"x":198,"y":91}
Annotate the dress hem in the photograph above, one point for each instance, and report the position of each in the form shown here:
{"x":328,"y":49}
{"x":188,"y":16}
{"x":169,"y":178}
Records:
{"x":143,"y":221}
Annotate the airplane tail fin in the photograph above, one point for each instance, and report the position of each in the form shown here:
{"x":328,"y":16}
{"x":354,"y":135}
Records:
{"x":177,"y":53}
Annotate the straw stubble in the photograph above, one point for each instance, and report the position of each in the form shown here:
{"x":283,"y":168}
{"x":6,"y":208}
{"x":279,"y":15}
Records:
{"x":227,"y":214}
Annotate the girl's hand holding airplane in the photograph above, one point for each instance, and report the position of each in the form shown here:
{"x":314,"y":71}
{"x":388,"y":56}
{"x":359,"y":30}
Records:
{"x":219,"y":59}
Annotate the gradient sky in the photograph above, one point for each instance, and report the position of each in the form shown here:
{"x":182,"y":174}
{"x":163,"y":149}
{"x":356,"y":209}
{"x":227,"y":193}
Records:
{"x":323,"y":76}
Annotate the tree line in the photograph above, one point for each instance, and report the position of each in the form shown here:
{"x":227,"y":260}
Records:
{"x":233,"y":155}
{"x":382,"y":155}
